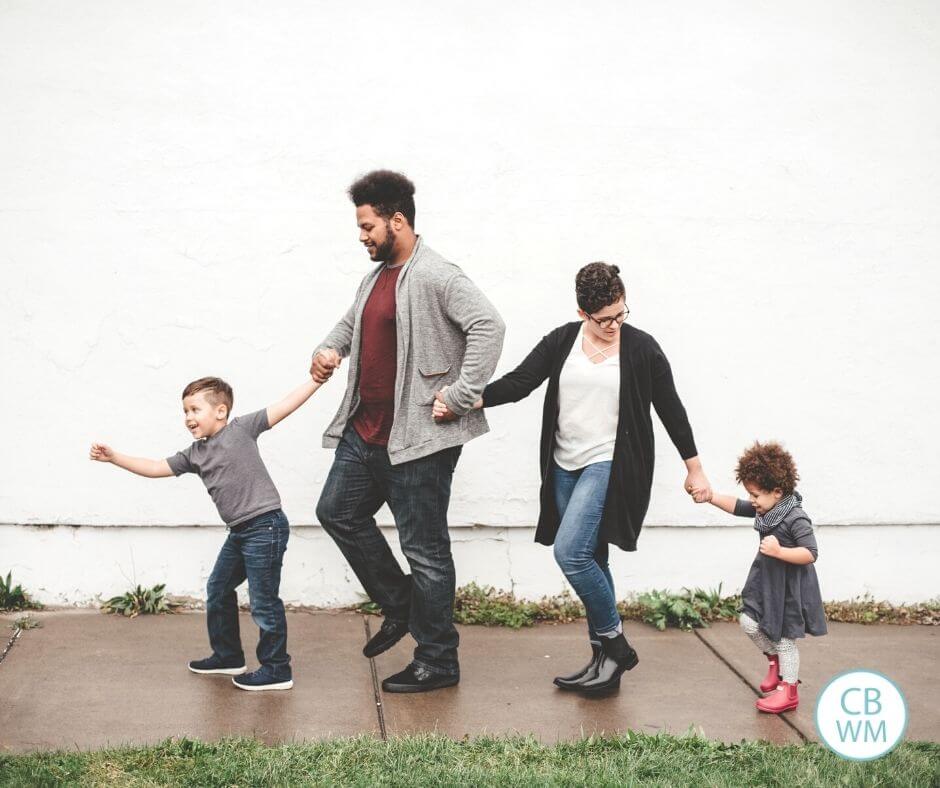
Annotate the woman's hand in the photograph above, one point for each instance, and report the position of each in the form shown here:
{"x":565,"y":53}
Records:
{"x":696,"y":483}
{"x":442,"y":413}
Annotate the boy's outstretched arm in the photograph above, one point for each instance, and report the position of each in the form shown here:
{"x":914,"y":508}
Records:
{"x":281,"y":410}
{"x":152,"y":469}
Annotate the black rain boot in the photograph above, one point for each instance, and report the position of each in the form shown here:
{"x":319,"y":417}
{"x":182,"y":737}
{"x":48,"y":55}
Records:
{"x":586,"y":673}
{"x":617,"y":657}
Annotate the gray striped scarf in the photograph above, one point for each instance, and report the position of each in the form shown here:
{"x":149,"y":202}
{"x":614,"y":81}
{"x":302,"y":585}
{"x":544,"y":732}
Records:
{"x":765,"y":523}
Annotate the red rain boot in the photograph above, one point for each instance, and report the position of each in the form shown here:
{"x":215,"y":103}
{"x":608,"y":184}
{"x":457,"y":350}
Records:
{"x":785,"y":698}
{"x":772,"y":679}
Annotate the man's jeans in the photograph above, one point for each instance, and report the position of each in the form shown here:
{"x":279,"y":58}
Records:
{"x":418,"y":493}
{"x":580,"y":497}
{"x":254,"y":552}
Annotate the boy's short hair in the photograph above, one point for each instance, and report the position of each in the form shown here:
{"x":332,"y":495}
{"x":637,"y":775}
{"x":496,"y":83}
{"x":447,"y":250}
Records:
{"x":768,"y":466}
{"x":598,"y":285}
{"x":218,"y":392}
{"x":387,"y":192}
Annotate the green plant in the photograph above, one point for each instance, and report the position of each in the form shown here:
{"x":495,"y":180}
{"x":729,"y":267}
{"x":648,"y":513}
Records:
{"x":865,"y":610}
{"x":140,"y":601}
{"x":486,"y":605}
{"x":687,"y":610}
{"x":14,"y":597}
{"x":26,"y":622}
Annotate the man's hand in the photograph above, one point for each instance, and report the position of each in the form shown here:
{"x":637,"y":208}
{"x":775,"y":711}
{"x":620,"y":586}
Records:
{"x":101,"y":453}
{"x":440,"y":411}
{"x":770,"y":546}
{"x":325,"y":362}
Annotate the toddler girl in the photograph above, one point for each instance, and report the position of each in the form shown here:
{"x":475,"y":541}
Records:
{"x":780,"y":600}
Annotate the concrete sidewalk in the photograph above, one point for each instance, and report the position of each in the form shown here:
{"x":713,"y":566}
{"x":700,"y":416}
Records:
{"x":88,"y":680}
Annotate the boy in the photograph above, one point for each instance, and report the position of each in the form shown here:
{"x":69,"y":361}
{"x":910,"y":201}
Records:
{"x":225,"y":456}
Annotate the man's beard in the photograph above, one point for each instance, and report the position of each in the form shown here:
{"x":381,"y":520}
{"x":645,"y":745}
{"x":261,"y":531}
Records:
{"x":383,"y":252}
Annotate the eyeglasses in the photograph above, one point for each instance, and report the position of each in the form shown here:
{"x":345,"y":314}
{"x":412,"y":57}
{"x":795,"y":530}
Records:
{"x":607,"y":322}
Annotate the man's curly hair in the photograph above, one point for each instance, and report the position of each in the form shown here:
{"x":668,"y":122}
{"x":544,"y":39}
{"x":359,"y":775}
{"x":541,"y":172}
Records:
{"x":387,"y":192}
{"x":598,"y":285}
{"x":767,"y":466}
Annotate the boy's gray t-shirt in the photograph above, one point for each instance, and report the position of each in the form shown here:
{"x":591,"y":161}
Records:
{"x":231,"y":467}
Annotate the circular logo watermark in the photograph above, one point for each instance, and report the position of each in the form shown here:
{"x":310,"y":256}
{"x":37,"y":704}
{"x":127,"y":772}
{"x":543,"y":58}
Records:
{"x":861,"y":715}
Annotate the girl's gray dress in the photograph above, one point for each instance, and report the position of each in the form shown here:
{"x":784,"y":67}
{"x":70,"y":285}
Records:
{"x":784,"y":598}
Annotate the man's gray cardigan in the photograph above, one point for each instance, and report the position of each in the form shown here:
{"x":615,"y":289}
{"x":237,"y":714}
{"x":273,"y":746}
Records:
{"x":449,"y":334}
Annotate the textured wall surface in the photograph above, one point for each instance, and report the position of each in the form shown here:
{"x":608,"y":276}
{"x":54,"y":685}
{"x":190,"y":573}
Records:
{"x":172,"y":205}
{"x":74,"y":565}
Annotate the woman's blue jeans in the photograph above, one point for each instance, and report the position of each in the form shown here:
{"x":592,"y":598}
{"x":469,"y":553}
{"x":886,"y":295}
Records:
{"x":579,"y":551}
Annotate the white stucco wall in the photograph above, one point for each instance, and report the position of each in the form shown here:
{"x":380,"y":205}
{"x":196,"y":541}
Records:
{"x":76,"y":565}
{"x":172,"y":205}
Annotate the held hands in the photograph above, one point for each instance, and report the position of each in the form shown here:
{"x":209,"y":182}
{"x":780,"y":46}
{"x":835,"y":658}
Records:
{"x":770,"y":546}
{"x":697,"y":485}
{"x":441,"y":413}
{"x":324,"y":363}
{"x":101,"y":453}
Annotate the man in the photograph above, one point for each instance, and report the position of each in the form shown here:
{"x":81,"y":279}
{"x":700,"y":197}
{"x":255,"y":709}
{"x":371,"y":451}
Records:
{"x":416,"y":325}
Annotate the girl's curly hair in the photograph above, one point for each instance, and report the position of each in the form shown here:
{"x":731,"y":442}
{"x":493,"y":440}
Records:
{"x":598,"y":285}
{"x":768,"y":466}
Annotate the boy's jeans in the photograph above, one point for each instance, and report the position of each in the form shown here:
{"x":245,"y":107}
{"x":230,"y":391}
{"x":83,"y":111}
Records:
{"x":254,"y":552}
{"x":418,"y":493}
{"x":579,"y":551}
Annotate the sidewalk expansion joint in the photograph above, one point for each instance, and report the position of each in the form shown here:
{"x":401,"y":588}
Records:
{"x":746,"y":683}
{"x":17,"y":631}
{"x":376,"y":692}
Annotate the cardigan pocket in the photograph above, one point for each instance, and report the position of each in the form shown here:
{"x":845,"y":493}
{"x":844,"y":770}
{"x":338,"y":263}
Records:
{"x":430,"y":380}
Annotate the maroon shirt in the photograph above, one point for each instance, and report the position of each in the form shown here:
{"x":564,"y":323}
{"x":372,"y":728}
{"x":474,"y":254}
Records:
{"x":378,"y":361}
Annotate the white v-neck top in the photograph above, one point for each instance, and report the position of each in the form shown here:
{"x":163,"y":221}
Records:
{"x":588,"y":409}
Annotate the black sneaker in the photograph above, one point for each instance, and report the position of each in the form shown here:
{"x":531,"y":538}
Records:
{"x":215,"y":665}
{"x":388,"y":635}
{"x":262,"y":679}
{"x":416,"y":678}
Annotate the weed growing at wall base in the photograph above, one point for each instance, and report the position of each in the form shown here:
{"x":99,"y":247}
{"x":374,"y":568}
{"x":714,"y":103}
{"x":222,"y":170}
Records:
{"x":139,"y":601}
{"x":688,"y":609}
{"x":14,"y":597}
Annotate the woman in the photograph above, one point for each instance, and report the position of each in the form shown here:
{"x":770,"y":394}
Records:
{"x":597,"y":452}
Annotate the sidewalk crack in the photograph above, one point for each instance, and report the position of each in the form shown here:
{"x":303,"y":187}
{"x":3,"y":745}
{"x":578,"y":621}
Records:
{"x":746,"y":683}
{"x":17,"y":631}
{"x":376,"y":692}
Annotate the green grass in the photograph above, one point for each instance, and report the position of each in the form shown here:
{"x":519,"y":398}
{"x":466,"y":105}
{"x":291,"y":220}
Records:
{"x":428,"y":760}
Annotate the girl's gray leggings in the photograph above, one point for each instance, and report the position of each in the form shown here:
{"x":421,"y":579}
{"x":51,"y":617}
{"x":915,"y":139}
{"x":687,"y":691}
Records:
{"x":785,"y":649}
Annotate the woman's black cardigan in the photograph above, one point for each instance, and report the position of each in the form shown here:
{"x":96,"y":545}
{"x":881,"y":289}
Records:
{"x":645,"y":378}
